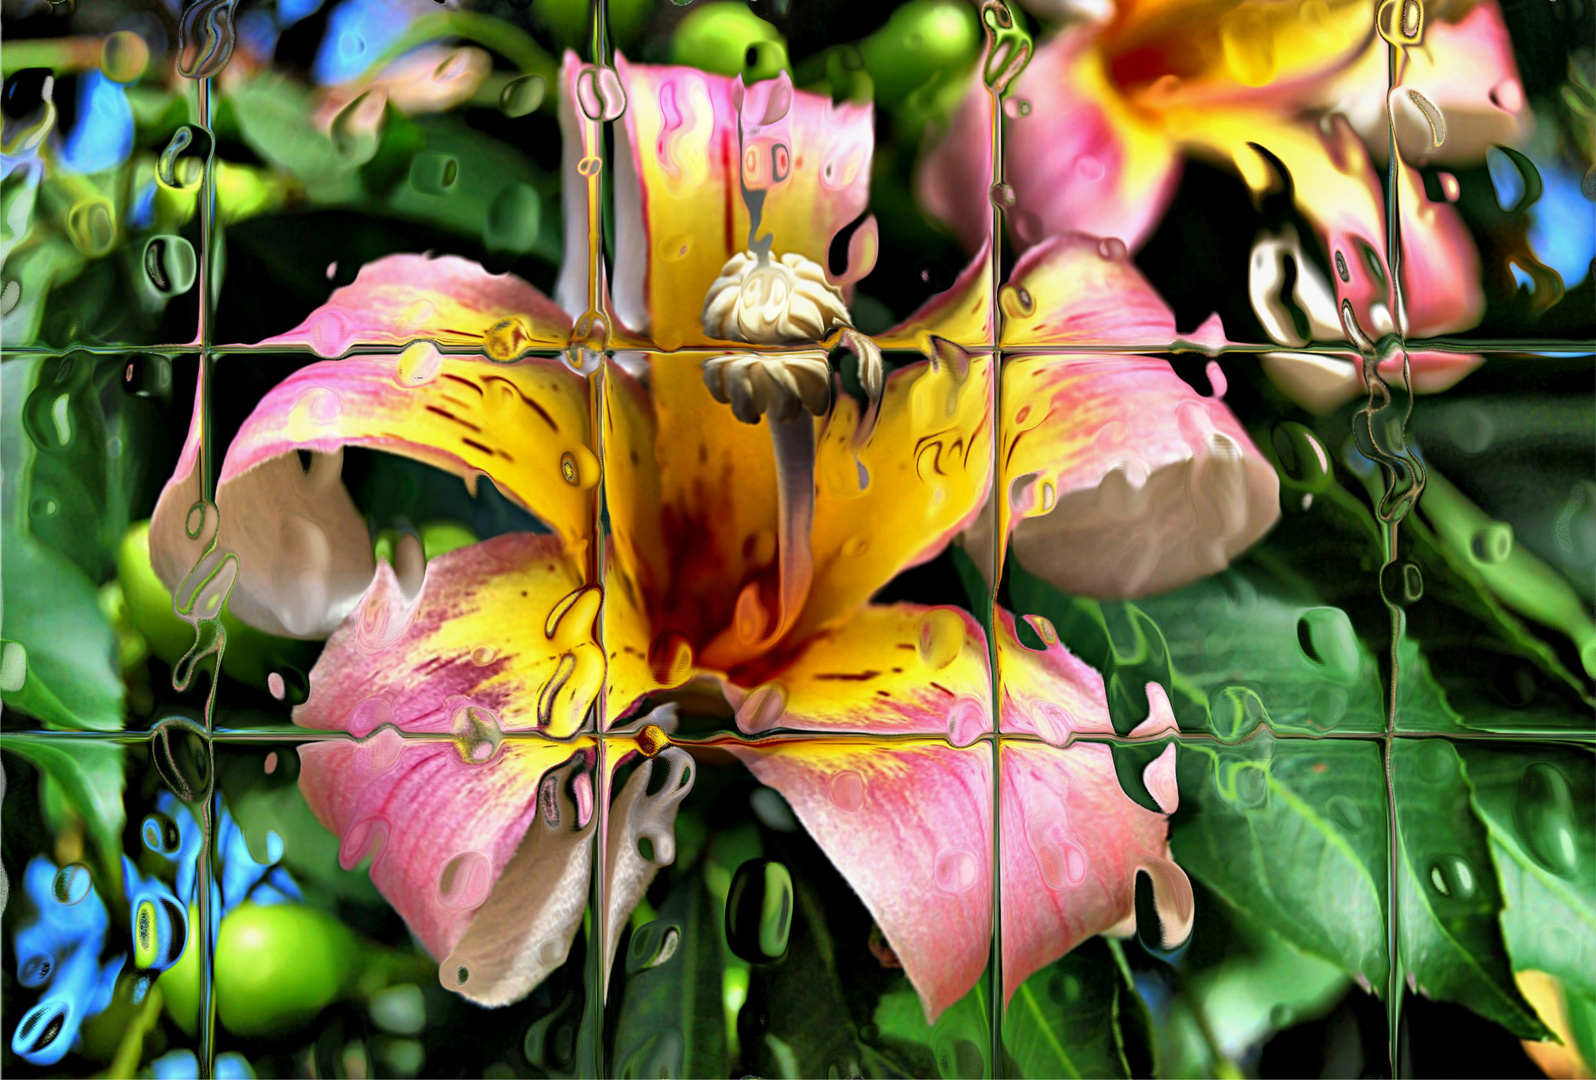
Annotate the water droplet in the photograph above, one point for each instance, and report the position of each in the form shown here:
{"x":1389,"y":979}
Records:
{"x":1345,"y":813}
{"x":600,"y":94}
{"x":477,"y":734}
{"x":1327,"y":641}
{"x":652,"y":739}
{"x":653,"y":944}
{"x":1303,"y":460}
{"x":522,"y":95}
{"x":967,"y":721}
{"x":368,"y":837}
{"x":72,"y":883}
{"x":513,"y":220}
{"x":1281,"y":1016}
{"x":941,"y":639}
{"x":170,"y":264}
{"x":434,"y":174}
{"x":43,"y":507}
{"x":1003,"y":196}
{"x":182,"y":756}
{"x":1113,"y":249}
{"x":483,"y":655}
{"x":1248,"y":41}
{"x":183,"y":159}
{"x":270,"y":765}
{"x":1452,"y":877}
{"x":847,"y":790}
{"x":418,"y":365}
{"x":160,"y":834}
{"x":465,"y":881}
{"x":855,"y":546}
{"x":1432,"y":116}
{"x":36,"y":970}
{"x":124,"y":56}
{"x":357,"y":129}
{"x":205,"y":38}
{"x":91,"y":223}
{"x":762,"y":709}
{"x":1016,"y":302}
{"x":1492,"y":544}
{"x":1062,"y":864}
{"x":1437,"y":762}
{"x":1401,"y":583}
{"x":1543,"y":810}
{"x":1412,"y":19}
{"x":759,"y":911}
{"x":955,"y":870}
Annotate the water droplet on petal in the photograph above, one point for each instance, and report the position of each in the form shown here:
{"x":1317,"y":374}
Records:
{"x":847,"y":790}
{"x":955,"y":870}
{"x":466,"y":881}
{"x":941,"y":639}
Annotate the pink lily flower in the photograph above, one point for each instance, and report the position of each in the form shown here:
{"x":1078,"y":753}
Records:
{"x":1294,"y":98}
{"x":477,"y":705}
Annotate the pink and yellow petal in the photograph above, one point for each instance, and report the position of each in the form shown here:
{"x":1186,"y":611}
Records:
{"x":1335,"y":187}
{"x":1225,"y":53}
{"x":1470,"y":96}
{"x":895,"y":502}
{"x":909,"y":825}
{"x":1082,"y":159}
{"x":680,"y":213}
{"x":1119,"y":479}
{"x":523,"y":425}
{"x":899,"y":669}
{"x":1079,"y":291}
{"x":500,"y":638}
{"x":447,"y":300}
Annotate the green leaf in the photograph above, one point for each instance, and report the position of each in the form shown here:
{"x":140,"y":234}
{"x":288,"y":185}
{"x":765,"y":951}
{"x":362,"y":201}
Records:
{"x":672,"y":1018}
{"x":68,"y":497}
{"x":1448,"y":902}
{"x":1065,"y":1019}
{"x":1292,"y":833}
{"x":52,"y":611}
{"x":1537,"y":807}
{"x":806,"y":1029}
{"x":90,"y":774}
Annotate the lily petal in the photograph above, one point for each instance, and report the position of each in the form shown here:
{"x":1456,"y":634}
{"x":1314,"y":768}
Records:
{"x":443,"y":831}
{"x":1119,"y":480}
{"x":679,"y":208}
{"x":717,"y":492}
{"x":1463,"y":68}
{"x":1077,"y":157}
{"x":463,"y":662}
{"x":499,"y":639}
{"x":1336,"y":188}
{"x":1073,"y":841}
{"x":898,"y":669}
{"x":1080,"y":291}
{"x":447,"y":300}
{"x":918,"y":481}
{"x":304,"y":553}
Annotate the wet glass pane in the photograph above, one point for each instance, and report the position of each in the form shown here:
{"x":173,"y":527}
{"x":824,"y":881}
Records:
{"x":797,"y":538}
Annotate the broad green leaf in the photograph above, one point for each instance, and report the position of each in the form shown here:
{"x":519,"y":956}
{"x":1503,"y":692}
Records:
{"x":1292,"y":833}
{"x":1064,"y":1020}
{"x":89,"y":773}
{"x":1270,"y":986}
{"x":1448,"y":902}
{"x":487,"y":176}
{"x":958,"y":1045}
{"x":796,"y":1022}
{"x":1244,"y":648}
{"x":672,"y":1018}
{"x":52,"y":611}
{"x":1539,"y":807}
{"x":70,"y":495}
